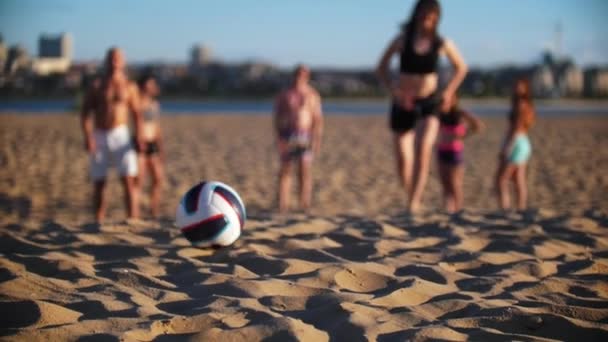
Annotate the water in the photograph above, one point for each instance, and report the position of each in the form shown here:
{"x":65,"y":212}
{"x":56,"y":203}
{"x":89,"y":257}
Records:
{"x":330,"y":107}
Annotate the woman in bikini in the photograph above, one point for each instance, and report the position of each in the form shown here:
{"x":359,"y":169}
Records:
{"x":152,"y":156}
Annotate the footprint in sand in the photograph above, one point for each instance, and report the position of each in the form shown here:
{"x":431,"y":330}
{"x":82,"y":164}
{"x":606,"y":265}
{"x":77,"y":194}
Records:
{"x":38,"y":314}
{"x":359,"y":280}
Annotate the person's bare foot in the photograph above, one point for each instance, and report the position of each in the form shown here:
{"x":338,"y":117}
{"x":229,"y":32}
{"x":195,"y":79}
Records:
{"x":413,"y":207}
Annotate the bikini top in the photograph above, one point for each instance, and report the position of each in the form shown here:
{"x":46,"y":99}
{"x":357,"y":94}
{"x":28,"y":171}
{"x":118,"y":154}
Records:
{"x":152,"y":113}
{"x":412,"y":62}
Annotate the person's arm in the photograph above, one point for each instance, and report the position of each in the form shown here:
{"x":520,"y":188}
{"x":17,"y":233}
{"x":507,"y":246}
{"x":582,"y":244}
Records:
{"x":159,"y":137}
{"x":460,"y":72}
{"x":522,"y":107}
{"x":161,"y":144}
{"x":317,"y":125}
{"x":135,"y":109}
{"x":276,"y":111}
{"x":383,"y":68}
{"x":473,"y":122}
{"x":86,"y":121}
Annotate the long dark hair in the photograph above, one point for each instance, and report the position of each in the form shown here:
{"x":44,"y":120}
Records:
{"x":421,"y":7}
{"x":525,"y":118}
{"x":144,"y":78}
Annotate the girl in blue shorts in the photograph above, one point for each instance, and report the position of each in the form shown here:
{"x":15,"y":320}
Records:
{"x":516,"y":150}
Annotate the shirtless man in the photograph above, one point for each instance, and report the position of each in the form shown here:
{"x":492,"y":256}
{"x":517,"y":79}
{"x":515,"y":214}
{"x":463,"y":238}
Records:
{"x":105,"y":117}
{"x":298,"y":122}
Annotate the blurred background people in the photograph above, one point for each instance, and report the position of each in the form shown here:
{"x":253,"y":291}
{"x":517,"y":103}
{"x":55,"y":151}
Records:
{"x":105,"y":118}
{"x":298,"y":121}
{"x":516,"y":149}
{"x":152,"y":155}
{"x":454,"y":126}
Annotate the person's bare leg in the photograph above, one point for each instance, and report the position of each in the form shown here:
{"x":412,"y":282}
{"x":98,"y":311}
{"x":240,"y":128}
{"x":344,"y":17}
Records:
{"x":131,"y":196}
{"x":521,"y":186}
{"x":504,"y":174}
{"x":445,"y":185}
{"x":404,"y":156}
{"x":305,"y":174}
{"x":99,"y":200}
{"x":457,"y":176}
{"x":141,"y":172}
{"x":284,"y":185}
{"x":140,"y":179}
{"x":156,"y":167}
{"x":423,"y":159}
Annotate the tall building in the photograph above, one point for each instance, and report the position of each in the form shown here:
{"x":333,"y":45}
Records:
{"x":54,"y":54}
{"x":55,"y":46}
{"x":200,"y":56}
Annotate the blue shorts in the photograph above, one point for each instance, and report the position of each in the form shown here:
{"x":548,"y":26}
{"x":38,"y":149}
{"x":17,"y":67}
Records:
{"x":521,"y":150}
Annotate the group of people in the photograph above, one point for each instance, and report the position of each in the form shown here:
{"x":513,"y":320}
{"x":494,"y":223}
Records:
{"x":416,"y":97}
{"x":298,"y":124}
{"x":109,"y":104}
{"x":416,"y":101}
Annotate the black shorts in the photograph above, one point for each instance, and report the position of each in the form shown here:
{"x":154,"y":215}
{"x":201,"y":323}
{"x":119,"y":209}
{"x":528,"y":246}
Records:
{"x":402,"y":120}
{"x":150,"y":148}
{"x":453,"y":158}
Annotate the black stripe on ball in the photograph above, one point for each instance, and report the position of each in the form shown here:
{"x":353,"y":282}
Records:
{"x":234,"y":203}
{"x":206,"y":229}
{"x":191,"y":198}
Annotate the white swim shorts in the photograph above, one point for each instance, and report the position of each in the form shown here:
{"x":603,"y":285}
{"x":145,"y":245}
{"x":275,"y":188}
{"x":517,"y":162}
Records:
{"x":113,"y":148}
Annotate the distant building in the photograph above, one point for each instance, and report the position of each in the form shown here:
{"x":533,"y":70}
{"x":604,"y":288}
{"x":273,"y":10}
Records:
{"x":542,"y":80}
{"x":556,"y":77}
{"x":259,"y":71}
{"x":570,"y":79}
{"x":55,"y":46}
{"x":17,"y":59}
{"x":54,"y":54}
{"x":3,"y":54}
{"x":200,"y":56}
{"x":596,"y":82}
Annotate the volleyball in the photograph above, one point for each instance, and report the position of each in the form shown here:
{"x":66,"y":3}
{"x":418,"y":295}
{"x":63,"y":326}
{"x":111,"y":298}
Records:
{"x":211,"y":214}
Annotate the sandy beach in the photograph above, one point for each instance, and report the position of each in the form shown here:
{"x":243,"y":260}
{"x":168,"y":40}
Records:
{"x":355,"y":268}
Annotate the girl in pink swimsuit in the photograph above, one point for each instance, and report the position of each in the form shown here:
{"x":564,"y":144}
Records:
{"x":452,"y":130}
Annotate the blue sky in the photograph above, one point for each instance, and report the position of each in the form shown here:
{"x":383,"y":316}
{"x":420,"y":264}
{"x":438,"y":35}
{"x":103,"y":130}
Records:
{"x":339,"y":33}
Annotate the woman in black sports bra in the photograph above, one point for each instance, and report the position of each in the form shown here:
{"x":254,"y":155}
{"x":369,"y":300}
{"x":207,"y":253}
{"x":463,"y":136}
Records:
{"x":416,"y":95}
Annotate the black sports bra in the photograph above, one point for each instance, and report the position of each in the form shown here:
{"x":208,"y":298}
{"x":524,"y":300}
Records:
{"x":413,"y":63}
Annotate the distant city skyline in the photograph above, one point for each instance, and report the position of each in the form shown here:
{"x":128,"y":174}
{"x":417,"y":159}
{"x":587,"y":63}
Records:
{"x":338,"y":33}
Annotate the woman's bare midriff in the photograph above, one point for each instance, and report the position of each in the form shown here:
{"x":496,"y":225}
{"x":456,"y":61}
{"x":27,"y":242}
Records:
{"x":418,"y":86}
{"x":150,"y":131}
